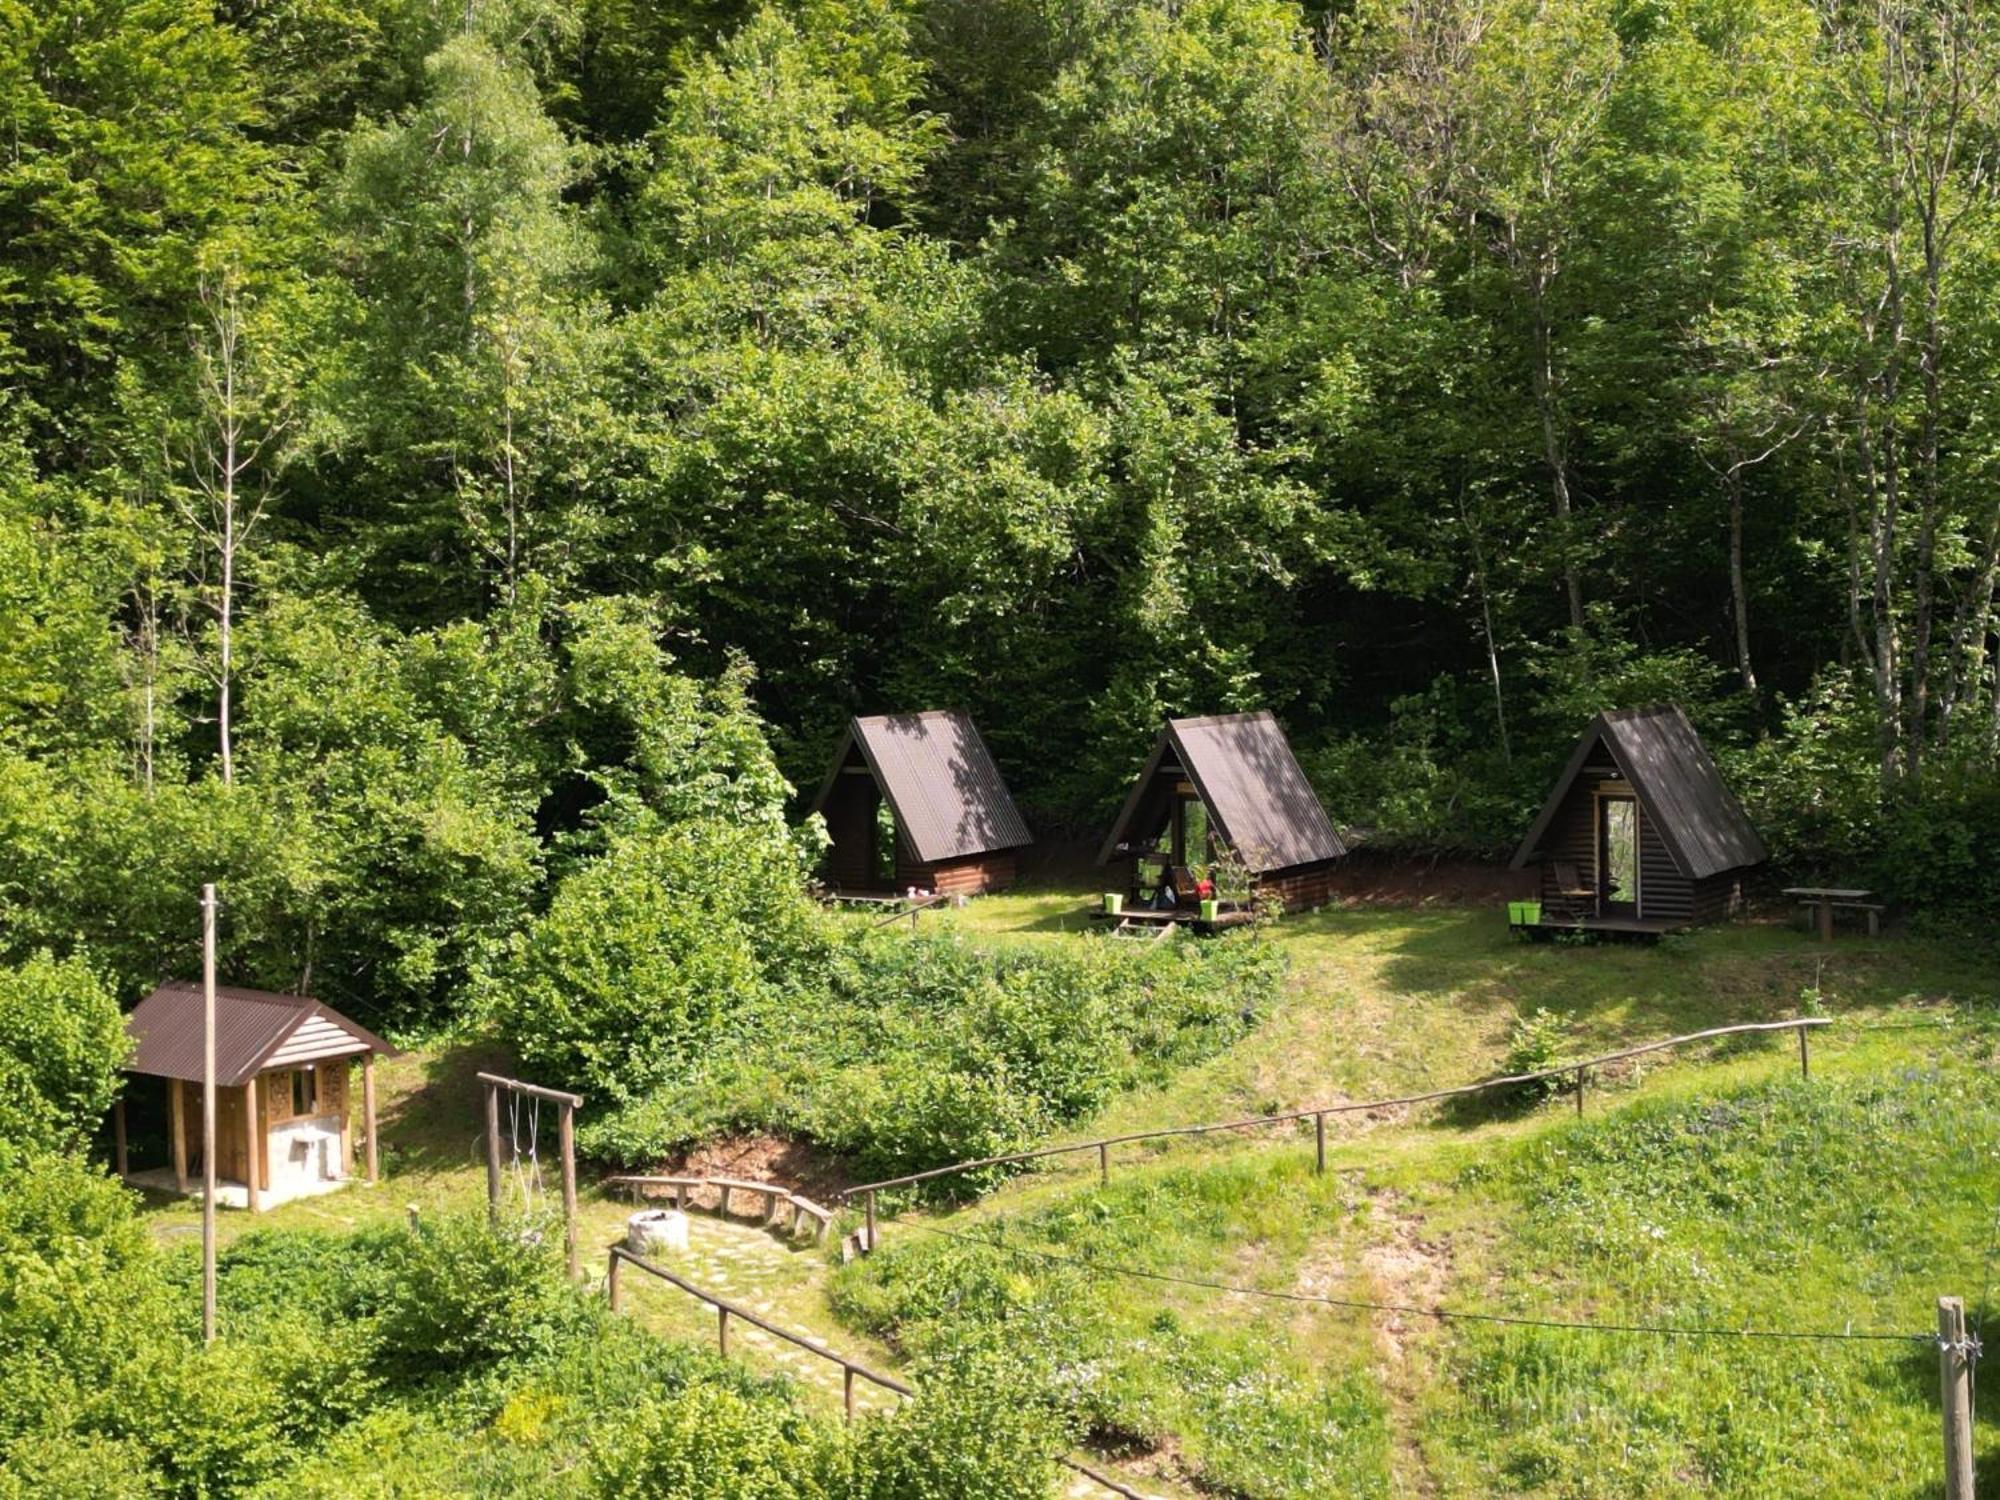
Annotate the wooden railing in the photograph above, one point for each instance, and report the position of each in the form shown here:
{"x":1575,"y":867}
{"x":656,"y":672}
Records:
{"x":850,"y":1370}
{"x":1317,"y":1114}
{"x":775,"y":1197}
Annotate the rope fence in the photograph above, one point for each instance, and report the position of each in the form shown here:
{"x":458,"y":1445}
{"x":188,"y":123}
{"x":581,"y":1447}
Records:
{"x":865,"y":1192}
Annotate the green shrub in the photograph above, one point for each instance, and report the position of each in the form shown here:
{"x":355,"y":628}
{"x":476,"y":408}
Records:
{"x":913,"y":1052}
{"x":1535,"y":1043}
{"x":62,"y":1041}
{"x":672,"y":942}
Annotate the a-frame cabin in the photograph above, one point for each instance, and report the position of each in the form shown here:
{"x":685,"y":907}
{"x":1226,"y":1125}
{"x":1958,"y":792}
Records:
{"x":1225,"y":784}
{"x":956,"y":829}
{"x":1640,"y":832}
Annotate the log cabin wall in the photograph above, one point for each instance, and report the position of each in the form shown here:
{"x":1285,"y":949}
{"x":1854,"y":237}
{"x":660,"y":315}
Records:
{"x":1665,"y":895}
{"x":1301,"y":888}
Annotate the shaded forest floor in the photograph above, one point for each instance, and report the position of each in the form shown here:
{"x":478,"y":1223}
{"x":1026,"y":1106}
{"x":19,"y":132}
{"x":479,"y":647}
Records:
{"x":1621,"y":1214}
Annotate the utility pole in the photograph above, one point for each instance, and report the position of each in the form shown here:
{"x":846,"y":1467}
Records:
{"x":208,"y":1114}
{"x":1955,"y":1356}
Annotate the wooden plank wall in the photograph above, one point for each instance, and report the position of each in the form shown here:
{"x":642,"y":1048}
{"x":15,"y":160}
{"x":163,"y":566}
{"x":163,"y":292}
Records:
{"x":850,"y":822}
{"x":972,"y":876}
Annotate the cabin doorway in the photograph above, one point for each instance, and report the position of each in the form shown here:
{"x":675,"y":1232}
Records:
{"x":1617,"y":857}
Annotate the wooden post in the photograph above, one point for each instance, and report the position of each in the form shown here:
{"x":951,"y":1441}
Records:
{"x":722,"y":1330}
{"x":870,"y":1246}
{"x":611,"y":1280}
{"x":1579,"y":1093}
{"x":1319,"y":1144}
{"x":208,"y":1114}
{"x":1103,"y":1164}
{"x":253,"y":1155}
{"x":493,"y":1154}
{"x":1955,"y":1378}
{"x":177,"y":1132}
{"x":368,"y":1115}
{"x":568,"y":1132}
{"x":1826,"y":919}
{"x":847,"y":1390}
{"x":1805,"y":1063}
{"x":118,"y":1162}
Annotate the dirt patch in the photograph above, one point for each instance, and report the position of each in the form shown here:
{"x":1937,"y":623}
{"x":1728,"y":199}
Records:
{"x":1368,"y":878}
{"x":792,"y":1165}
{"x":1407,"y":1270}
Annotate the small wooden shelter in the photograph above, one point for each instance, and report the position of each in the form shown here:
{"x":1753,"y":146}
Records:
{"x":284,"y":1117}
{"x":1640,"y":833}
{"x":956,"y":828}
{"x":1222,"y":788}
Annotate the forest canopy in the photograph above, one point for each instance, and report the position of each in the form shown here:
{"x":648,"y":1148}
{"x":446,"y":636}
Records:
{"x":442,"y":447}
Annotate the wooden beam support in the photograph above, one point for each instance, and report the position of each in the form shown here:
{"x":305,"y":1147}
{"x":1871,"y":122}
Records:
{"x":177,"y":1129}
{"x":568,"y":1131}
{"x":493,"y":1154}
{"x":368,"y":1114}
{"x":253,"y":1130}
{"x":118,"y":1162}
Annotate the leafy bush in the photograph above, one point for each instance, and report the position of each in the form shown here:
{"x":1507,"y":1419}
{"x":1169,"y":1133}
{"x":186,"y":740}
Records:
{"x":1535,"y":1043}
{"x":674,"y":940}
{"x":915,"y":1052}
{"x":62,"y":1041}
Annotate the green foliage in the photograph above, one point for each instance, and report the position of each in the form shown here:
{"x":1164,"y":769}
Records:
{"x":655,"y":954}
{"x":907,"y":1053}
{"x":62,"y":1041}
{"x":1536,"y":1042}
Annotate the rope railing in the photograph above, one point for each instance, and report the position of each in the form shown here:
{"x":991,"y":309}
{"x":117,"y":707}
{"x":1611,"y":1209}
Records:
{"x":1318,"y":1113}
{"x":851,"y":1370}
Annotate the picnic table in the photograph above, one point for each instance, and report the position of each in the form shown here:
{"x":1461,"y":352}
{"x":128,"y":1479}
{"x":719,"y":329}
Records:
{"x":1823,"y":899}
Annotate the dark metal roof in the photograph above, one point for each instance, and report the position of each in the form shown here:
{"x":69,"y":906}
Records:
{"x":1676,"y":780}
{"x":250,"y":1025}
{"x":948,"y":796}
{"x":1244,"y":771}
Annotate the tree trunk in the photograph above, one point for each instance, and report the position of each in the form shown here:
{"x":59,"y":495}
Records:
{"x":1552,"y":445}
{"x":1739,"y":595}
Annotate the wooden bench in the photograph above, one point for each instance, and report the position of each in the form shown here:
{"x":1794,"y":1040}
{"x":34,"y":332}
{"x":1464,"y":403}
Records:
{"x":1872,"y":910}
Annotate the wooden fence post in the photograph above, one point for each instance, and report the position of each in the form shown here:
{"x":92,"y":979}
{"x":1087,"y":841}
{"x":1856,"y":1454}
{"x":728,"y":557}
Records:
{"x":1103,"y":1164}
{"x":1955,"y":1386}
{"x":1805,"y":1063}
{"x":493,"y":1154}
{"x":1319,"y":1144}
{"x":568,"y":1135}
{"x":847,"y":1390}
{"x":1579,"y":1092}
{"x":611,"y":1281}
{"x":870,"y":1209}
{"x":722,"y":1330}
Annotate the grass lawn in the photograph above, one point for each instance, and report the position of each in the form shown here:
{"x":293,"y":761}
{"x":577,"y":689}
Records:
{"x":1710,"y":1185}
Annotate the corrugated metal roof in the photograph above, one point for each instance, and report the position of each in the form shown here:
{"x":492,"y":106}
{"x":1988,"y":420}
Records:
{"x":947,"y":794}
{"x":250,"y":1025}
{"x":1678,"y":784}
{"x":1243,"y":768}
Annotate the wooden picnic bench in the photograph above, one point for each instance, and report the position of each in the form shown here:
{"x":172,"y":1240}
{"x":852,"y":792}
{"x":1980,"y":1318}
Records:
{"x":1823,"y":901}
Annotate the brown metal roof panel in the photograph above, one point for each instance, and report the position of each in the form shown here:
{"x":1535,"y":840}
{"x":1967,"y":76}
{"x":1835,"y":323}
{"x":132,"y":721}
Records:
{"x":1678,"y":783}
{"x":1244,"y":768}
{"x":166,"y":1030}
{"x":1692,"y":806}
{"x":947,"y":793}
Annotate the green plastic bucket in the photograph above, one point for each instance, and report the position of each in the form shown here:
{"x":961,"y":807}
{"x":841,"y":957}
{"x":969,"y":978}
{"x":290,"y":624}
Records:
{"x":1209,"y":909}
{"x":1113,"y":904}
{"x":1524,"y":913}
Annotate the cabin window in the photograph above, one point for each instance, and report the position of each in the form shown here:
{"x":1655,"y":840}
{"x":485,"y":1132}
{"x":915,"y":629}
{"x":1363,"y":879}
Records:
{"x":294,"y":1094}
